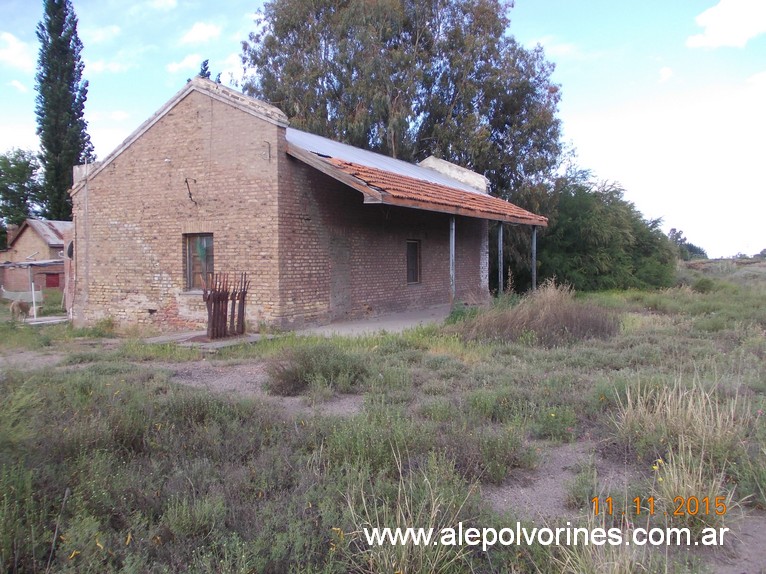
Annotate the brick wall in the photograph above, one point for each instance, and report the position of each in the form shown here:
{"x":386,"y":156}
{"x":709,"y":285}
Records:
{"x":131,"y":217}
{"x":313,"y":250}
{"x":26,"y":244}
{"x":344,"y":259}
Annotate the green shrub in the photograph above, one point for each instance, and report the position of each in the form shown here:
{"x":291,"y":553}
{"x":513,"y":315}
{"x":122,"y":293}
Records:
{"x":583,"y":487}
{"x":653,"y":419}
{"x":682,"y":473}
{"x":703,"y":285}
{"x":556,"y":423}
{"x":461,"y":312}
{"x":197,"y":516}
{"x":19,"y":400}
{"x":440,"y":410}
{"x":495,"y":405}
{"x":484,"y":453}
{"x":292,"y":371}
{"x":432,"y":496}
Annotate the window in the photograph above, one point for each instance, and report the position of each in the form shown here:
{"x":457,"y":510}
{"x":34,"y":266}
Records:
{"x":413,"y":261}
{"x":198,"y":255}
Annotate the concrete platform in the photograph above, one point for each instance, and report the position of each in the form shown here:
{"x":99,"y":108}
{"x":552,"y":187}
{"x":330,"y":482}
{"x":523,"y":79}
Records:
{"x":48,"y":320}
{"x":390,"y":323}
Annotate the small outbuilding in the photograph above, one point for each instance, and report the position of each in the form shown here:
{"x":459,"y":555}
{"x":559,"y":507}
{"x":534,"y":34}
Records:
{"x":35,"y":240}
{"x":216,"y":181}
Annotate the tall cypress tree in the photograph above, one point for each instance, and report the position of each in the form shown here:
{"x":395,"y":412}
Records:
{"x":61,"y":95}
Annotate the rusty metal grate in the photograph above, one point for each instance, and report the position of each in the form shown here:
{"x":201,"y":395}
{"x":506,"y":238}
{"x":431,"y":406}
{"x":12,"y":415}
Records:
{"x":225,"y":300}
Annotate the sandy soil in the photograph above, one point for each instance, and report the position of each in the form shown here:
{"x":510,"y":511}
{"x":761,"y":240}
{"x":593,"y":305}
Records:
{"x":539,"y":496}
{"x":29,"y":359}
{"x":247,"y":379}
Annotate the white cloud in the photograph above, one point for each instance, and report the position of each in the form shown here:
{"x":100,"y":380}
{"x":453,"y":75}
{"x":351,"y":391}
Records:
{"x":190,"y":62}
{"x":99,"y":66}
{"x":554,"y":48}
{"x":100,"y":35}
{"x":164,"y":5}
{"x":15,"y":53}
{"x":201,"y":33}
{"x":19,"y":134}
{"x":232,"y":68}
{"x":730,"y":23}
{"x":19,"y":86}
{"x":758,"y":80}
{"x":699,"y":171}
{"x":665,"y":74}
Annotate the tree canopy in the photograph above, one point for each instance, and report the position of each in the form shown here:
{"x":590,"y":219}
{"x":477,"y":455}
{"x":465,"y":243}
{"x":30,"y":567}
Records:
{"x":686,"y":250}
{"x":60,"y":106}
{"x":598,"y":240}
{"x":19,"y":188}
{"x":412,"y":78}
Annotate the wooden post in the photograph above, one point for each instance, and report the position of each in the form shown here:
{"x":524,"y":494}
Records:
{"x":499,"y":258}
{"x":534,"y":257}
{"x":452,"y":260}
{"x":32,"y":285}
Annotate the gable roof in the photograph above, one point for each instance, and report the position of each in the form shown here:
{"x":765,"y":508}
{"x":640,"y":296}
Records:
{"x":382,"y":179}
{"x":216,"y":91}
{"x":52,"y":232}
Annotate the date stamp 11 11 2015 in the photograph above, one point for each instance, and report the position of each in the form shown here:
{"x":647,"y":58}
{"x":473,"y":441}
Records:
{"x":682,"y":506}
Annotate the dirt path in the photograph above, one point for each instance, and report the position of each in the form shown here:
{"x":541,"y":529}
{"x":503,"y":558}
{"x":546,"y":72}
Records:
{"x":26,"y":360}
{"x":540,"y":495}
{"x":247,"y":379}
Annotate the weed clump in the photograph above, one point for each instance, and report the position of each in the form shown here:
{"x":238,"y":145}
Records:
{"x":653,"y":418}
{"x":321,"y":364}
{"x":548,"y":317}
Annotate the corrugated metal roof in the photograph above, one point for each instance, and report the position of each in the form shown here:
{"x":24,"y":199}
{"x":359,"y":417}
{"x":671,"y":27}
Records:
{"x":52,"y":232}
{"x":25,"y":264}
{"x":387,"y":180}
{"x":328,"y":148}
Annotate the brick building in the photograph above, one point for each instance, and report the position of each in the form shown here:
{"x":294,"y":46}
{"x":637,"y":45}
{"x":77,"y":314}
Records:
{"x":35,"y":240}
{"x":217,"y":181}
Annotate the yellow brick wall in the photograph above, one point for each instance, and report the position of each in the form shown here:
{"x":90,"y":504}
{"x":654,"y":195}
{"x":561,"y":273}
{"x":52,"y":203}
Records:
{"x":314,"y":252}
{"x":131,"y":217}
{"x":26,"y":244}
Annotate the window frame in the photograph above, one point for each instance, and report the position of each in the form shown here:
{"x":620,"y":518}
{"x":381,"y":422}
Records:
{"x":192,"y":256}
{"x":417,"y":267}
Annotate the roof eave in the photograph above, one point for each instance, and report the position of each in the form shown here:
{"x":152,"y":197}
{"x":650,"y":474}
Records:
{"x":376,"y":196}
{"x":315,"y":161}
{"x":492,"y":216}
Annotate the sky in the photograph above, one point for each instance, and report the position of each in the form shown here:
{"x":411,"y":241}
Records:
{"x":666,"y":98}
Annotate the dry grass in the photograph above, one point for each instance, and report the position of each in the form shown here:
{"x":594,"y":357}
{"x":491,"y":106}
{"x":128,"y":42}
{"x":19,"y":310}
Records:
{"x":549,"y":317}
{"x":429,"y":497}
{"x":654,"y":418}
{"x":689,"y":494}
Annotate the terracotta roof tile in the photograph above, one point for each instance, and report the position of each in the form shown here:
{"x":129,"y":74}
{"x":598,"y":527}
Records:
{"x":411,"y":192}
